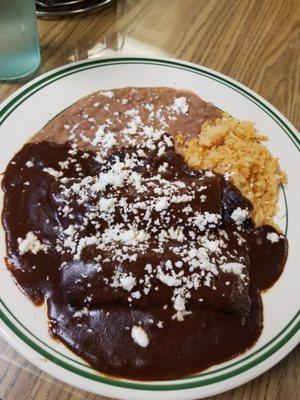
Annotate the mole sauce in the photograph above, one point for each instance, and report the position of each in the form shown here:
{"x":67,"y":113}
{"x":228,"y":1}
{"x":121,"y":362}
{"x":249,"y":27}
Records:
{"x":186,"y":272}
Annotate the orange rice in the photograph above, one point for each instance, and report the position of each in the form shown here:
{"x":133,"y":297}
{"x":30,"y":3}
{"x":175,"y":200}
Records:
{"x":230,"y":146}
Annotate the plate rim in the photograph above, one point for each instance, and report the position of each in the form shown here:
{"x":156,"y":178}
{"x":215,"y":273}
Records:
{"x":14,"y":100}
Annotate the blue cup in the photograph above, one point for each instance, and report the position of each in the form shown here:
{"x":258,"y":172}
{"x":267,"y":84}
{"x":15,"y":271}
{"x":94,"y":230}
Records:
{"x":19,"y":39}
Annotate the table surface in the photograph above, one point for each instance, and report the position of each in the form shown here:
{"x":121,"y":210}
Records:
{"x":256,"y":42}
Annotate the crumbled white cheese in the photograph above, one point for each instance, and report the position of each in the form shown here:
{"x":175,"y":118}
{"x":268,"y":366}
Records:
{"x":179,"y":315}
{"x":53,"y":172}
{"x":162,"y":204}
{"x":107,"y":205}
{"x":169,"y":280}
{"x":182,"y":198}
{"x":233,"y":267}
{"x":31,"y":244}
{"x":180,"y":105}
{"x":139,"y":336}
{"x":227,"y":175}
{"x":163,"y":168}
{"x":81,"y":313}
{"x":83,"y":243}
{"x":124,"y":280}
{"x":64,"y":164}
{"x":239,"y":215}
{"x":107,"y":93}
{"x":136,"y":295}
{"x":149,"y":107}
{"x":205,"y":220}
{"x":273,"y":237}
{"x":176,"y":234}
{"x":132,"y":113}
{"x":179,"y":303}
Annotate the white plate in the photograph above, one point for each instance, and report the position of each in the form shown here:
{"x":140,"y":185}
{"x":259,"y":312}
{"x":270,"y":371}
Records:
{"x":25,"y":326}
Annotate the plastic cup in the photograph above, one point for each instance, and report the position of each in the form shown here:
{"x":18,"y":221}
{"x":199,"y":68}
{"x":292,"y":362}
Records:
{"x":19,"y":39}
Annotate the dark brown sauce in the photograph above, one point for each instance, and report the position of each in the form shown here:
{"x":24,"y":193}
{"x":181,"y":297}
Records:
{"x":227,"y":321}
{"x":267,"y":258}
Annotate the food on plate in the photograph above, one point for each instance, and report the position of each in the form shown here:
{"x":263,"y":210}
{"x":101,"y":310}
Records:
{"x":147,"y":256}
{"x":233,"y":148}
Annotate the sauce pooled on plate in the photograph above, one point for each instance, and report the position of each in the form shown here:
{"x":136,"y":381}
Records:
{"x":150,"y":269}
